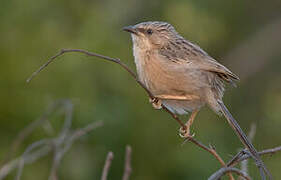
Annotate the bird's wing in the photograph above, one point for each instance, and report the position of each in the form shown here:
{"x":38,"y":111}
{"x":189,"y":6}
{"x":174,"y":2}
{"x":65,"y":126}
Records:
{"x":208,"y":64}
{"x":190,"y":55}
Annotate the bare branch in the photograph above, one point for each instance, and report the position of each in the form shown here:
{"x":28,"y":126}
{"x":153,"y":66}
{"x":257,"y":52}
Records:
{"x":117,"y":61}
{"x":107,"y":165}
{"x":236,"y":157}
{"x":217,"y":175}
{"x":10,"y":166}
{"x":81,"y":132}
{"x":32,"y":126}
{"x":127,"y":168}
{"x":28,"y":150}
{"x":60,"y":145}
{"x":243,"y":156}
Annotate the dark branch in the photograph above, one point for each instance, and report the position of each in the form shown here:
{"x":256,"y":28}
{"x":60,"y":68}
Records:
{"x":243,"y":155}
{"x":115,"y":60}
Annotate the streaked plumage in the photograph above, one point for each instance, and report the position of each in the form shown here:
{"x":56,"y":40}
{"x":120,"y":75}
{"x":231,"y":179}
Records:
{"x":169,"y":64}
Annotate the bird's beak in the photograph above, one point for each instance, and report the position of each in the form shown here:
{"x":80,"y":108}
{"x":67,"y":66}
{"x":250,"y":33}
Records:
{"x":131,"y":29}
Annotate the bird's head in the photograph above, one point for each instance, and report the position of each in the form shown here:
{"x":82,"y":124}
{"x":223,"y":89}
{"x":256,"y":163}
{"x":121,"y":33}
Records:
{"x":151,"y":35}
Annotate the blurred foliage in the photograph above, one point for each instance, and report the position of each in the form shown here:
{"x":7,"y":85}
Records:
{"x":31,"y":31}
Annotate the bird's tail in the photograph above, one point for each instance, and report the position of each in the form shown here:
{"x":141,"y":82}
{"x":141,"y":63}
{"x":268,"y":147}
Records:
{"x":243,"y":138}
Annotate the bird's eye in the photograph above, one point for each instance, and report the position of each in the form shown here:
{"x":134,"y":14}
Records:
{"x":149,"y":31}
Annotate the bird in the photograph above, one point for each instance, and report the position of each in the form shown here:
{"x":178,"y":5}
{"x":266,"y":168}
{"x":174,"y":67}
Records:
{"x":182,"y":76}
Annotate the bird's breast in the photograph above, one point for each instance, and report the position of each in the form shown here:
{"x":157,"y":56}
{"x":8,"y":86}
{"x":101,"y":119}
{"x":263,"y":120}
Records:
{"x":155,"y":73}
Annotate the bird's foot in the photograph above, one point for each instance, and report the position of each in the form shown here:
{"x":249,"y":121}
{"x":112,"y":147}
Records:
{"x":156,"y":103}
{"x":185,"y":132}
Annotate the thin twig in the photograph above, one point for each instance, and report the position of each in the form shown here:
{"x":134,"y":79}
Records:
{"x":115,"y":60}
{"x":218,"y":174}
{"x":238,"y":157}
{"x":127,"y":168}
{"x":59,"y":145}
{"x":243,"y":155}
{"x":30,"y":158}
{"x":28,"y":151}
{"x":107,"y":165}
{"x":23,"y":134}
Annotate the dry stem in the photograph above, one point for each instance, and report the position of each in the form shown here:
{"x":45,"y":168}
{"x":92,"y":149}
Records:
{"x":59,"y":145}
{"x":127,"y":168}
{"x":115,"y":60}
{"x":107,"y":165}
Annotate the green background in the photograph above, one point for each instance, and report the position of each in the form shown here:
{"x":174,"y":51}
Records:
{"x":243,"y":35}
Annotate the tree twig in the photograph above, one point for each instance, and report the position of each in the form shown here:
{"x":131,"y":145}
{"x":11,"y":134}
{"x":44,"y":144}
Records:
{"x":60,"y":145}
{"x":127,"y":168}
{"x":241,"y":156}
{"x":23,"y":134}
{"x":115,"y":60}
{"x":107,"y":165}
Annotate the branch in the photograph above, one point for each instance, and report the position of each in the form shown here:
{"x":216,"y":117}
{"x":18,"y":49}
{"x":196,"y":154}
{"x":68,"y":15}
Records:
{"x":10,"y":166}
{"x":107,"y":165}
{"x":59,"y":145}
{"x":127,"y":168}
{"x":29,"y":149}
{"x":23,"y":134}
{"x":62,"y":145}
{"x":217,"y":175}
{"x":243,"y":155}
{"x":117,"y":61}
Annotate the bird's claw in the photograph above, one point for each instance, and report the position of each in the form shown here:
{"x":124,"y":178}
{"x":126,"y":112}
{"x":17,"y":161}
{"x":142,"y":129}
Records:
{"x":156,"y":103}
{"x":185,"y":133}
